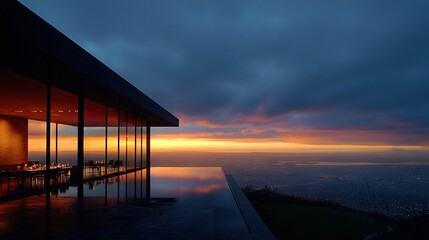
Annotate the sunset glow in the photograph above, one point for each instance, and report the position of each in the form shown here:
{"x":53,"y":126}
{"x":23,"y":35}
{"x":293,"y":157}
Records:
{"x":266,"y":146}
{"x":96,"y":144}
{"x":217,"y":140}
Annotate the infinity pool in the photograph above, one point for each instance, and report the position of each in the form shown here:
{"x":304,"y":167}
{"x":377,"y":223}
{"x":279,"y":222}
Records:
{"x":186,"y":203}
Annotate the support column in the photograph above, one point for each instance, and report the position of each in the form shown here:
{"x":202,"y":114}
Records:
{"x":135,"y":157}
{"x":119,"y":141}
{"x":141,"y":158}
{"x":135,"y":143}
{"x":119,"y":147}
{"x":126,"y":156}
{"x":148,"y":160}
{"x":141,"y":143}
{"x":56,"y":143}
{"x":126,"y":143}
{"x":105,"y":154}
{"x":105,"y":140}
{"x":48,"y":136}
{"x":80,"y":138}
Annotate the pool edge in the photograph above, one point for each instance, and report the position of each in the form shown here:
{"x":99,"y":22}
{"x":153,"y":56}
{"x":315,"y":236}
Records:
{"x":256,"y":225}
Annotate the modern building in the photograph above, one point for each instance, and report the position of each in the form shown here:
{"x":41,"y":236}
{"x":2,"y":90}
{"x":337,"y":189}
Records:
{"x":70,"y":126}
{"x":62,"y":111}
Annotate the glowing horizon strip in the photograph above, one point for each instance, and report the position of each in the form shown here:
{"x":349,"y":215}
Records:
{"x":96,"y":144}
{"x":163,"y":145}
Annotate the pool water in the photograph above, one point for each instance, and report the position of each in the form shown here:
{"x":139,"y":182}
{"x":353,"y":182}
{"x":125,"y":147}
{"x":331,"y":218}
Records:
{"x":186,"y":203}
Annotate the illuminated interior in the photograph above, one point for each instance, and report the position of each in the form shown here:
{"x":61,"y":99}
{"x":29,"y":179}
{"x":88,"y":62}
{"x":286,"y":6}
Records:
{"x":23,"y":120}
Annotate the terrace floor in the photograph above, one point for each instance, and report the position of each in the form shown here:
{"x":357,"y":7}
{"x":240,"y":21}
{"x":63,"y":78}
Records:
{"x":185,"y":203}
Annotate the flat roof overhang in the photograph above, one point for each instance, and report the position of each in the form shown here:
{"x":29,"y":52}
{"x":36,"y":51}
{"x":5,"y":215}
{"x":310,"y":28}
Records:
{"x":32,"y":49}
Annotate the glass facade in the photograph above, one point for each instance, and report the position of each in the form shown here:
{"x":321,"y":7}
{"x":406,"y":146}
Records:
{"x":40,"y":146}
{"x":112,"y":141}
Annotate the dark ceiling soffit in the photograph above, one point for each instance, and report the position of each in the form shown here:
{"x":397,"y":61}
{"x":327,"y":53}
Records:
{"x":31,"y":46}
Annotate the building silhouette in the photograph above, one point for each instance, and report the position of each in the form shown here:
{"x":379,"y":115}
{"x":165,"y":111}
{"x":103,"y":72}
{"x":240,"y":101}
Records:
{"x":59,"y":100}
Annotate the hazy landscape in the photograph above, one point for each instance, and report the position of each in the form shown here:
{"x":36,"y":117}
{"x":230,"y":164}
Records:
{"x":393,"y":183}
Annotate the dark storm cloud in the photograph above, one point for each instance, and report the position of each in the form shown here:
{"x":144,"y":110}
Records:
{"x":318,"y":64}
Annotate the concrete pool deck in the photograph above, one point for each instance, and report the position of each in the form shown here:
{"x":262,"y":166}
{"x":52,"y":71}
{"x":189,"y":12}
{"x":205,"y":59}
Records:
{"x":187,"y":203}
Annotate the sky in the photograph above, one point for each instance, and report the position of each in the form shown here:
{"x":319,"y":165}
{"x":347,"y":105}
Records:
{"x":266,"y":75}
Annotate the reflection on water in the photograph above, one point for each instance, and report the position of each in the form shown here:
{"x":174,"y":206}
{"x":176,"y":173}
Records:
{"x":165,"y":182}
{"x":124,"y":187}
{"x":186,"y":182}
{"x":107,"y":207}
{"x":202,"y":188}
